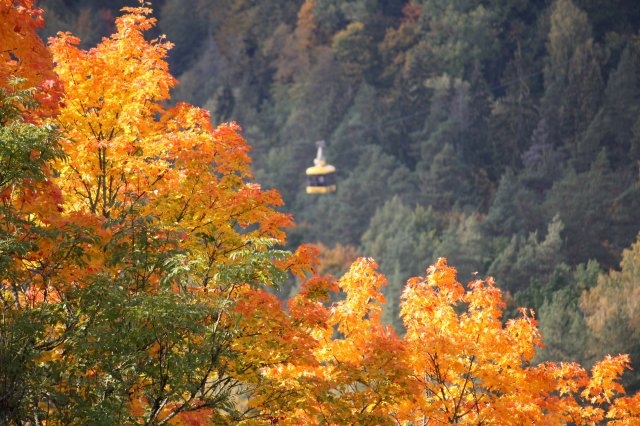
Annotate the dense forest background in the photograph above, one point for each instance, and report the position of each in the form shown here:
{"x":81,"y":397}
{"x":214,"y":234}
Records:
{"x":503,"y":135}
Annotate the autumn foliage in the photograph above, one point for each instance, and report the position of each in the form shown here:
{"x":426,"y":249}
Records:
{"x":138,"y":256}
{"x":457,"y":363}
{"x":23,"y":54}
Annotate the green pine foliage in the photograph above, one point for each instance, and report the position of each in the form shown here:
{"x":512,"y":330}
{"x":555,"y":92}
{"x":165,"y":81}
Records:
{"x":562,"y":321}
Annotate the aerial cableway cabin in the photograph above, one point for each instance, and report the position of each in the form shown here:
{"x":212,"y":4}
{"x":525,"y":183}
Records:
{"x":321,"y":177}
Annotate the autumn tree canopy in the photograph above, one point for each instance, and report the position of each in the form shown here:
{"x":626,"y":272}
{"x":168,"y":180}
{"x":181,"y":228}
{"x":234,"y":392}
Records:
{"x":139,"y":262}
{"x":129,"y":242}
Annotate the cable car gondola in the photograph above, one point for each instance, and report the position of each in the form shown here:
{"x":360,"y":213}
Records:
{"x":321,"y":177}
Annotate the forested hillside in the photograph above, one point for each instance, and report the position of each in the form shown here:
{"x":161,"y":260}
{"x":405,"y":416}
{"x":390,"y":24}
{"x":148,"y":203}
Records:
{"x":502,"y":135}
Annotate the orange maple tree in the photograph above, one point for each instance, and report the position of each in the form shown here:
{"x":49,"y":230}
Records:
{"x":181,"y":221}
{"x":457,"y":363}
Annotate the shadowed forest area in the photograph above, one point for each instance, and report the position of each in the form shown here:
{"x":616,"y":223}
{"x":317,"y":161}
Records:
{"x":502,"y":135}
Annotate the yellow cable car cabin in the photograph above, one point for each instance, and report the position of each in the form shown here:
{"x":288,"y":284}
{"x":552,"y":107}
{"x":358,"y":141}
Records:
{"x":321,"y":177}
